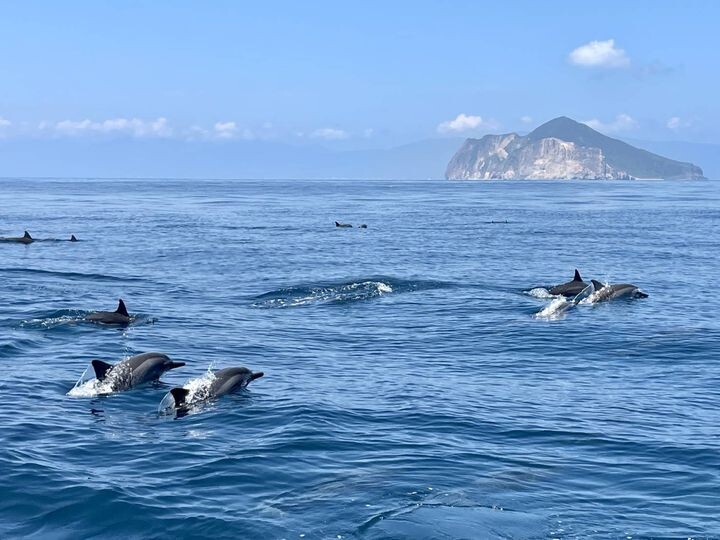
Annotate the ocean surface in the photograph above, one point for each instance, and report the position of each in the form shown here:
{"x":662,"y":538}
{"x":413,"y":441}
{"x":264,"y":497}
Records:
{"x":411,"y":390}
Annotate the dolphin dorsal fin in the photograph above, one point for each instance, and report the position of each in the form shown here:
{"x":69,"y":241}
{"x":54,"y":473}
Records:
{"x":72,"y":238}
{"x":27,"y":235}
{"x":577,"y":276}
{"x":179,"y":395}
{"x":121,"y":309}
{"x":101,"y":368}
{"x":597,"y":284}
{"x":337,"y":224}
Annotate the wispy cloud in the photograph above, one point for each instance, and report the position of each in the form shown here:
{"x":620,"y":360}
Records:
{"x":526,"y":119}
{"x":622,"y":122}
{"x":465,"y":122}
{"x":5,"y":122}
{"x":329,"y":134}
{"x":599,"y":54}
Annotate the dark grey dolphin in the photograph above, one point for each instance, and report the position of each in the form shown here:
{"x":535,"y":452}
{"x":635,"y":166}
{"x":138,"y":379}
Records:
{"x":617,"y":290}
{"x":226,"y":381}
{"x":363,"y":226}
{"x":25,"y":239}
{"x":571,"y":288}
{"x":343,"y":225}
{"x":119,"y":316}
{"x":133,"y":371}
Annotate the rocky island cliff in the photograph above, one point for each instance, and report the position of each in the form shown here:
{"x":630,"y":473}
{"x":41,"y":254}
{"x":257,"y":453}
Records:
{"x":561,"y":149}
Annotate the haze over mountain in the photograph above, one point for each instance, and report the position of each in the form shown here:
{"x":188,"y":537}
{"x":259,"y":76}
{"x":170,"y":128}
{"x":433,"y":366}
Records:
{"x":172,"y":158}
{"x":561,"y":149}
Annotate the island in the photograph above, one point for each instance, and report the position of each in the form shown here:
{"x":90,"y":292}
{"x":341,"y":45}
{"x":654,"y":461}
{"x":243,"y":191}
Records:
{"x":562,"y":149}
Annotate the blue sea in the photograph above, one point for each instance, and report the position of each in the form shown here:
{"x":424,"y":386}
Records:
{"x":411,"y":391}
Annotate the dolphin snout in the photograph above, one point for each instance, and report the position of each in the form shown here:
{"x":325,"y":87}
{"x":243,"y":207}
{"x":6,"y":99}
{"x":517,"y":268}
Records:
{"x":256,"y":375}
{"x":173,"y":365}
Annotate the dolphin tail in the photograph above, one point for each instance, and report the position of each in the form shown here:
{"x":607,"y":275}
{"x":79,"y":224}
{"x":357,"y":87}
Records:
{"x":179,"y":395}
{"x":121,"y":309}
{"x":577,"y":277}
{"x":256,"y":375}
{"x":101,"y":368}
{"x":27,"y":235}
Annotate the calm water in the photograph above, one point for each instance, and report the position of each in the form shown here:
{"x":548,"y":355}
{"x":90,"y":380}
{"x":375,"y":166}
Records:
{"x":409,"y":390}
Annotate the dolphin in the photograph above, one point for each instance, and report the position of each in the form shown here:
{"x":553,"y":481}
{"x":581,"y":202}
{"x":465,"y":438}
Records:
{"x":25,"y":239}
{"x":73,"y":239}
{"x":571,"y":288}
{"x":343,"y":225}
{"x":225,"y":381}
{"x":363,"y":226}
{"x":119,"y":316}
{"x":133,"y":371}
{"x":605,"y":292}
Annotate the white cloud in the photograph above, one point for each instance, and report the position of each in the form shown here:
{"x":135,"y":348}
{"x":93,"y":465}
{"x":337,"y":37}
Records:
{"x":134,"y":127}
{"x":526,"y":119}
{"x":676,"y":122}
{"x":622,"y":122}
{"x":4,"y":122}
{"x":225,"y":130}
{"x":330,"y":134}
{"x":601,"y":54}
{"x":464,"y":122}
{"x":368,"y":133}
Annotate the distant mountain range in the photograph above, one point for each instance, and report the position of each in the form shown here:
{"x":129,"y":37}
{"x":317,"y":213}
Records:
{"x":168,"y":158}
{"x":561,"y":149}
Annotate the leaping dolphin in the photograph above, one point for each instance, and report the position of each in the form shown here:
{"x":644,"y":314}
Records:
{"x":605,"y":292}
{"x":225,"y":381}
{"x":119,"y":316}
{"x":133,"y":371}
{"x":25,"y":239}
{"x":571,"y":288}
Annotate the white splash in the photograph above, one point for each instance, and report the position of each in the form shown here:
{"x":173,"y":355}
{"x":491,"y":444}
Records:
{"x":383,"y":288}
{"x":595,"y":297}
{"x":540,"y":292}
{"x":88,"y":386}
{"x":555,"y":309}
{"x":199,"y":390}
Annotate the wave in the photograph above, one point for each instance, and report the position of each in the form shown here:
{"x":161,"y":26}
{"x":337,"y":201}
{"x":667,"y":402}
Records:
{"x":70,"y":275}
{"x":69,"y":317}
{"x":341,"y":292}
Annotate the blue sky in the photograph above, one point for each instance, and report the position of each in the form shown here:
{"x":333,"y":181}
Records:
{"x":357,"y":74}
